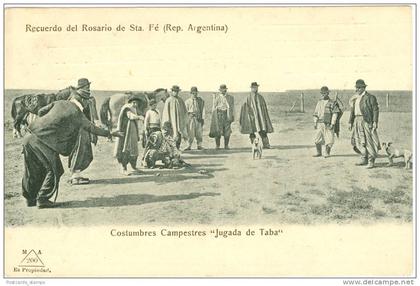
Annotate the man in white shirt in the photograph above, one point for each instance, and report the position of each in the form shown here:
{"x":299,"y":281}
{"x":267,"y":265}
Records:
{"x":152,"y":118}
{"x":223,"y":114}
{"x":364,"y":115}
{"x":195,"y":110}
{"x":325,"y":118}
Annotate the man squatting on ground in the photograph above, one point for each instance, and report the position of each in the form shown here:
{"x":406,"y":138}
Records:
{"x":325,"y":118}
{"x":161,"y":146}
{"x":223,"y":112}
{"x":364,"y":115}
{"x":53,"y":134}
{"x":196,"y":111}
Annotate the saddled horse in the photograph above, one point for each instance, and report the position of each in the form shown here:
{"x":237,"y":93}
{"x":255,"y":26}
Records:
{"x":111,"y":107}
{"x":25,"y":107}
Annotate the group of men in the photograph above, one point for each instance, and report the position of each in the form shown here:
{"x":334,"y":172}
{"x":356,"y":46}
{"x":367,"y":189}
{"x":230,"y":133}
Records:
{"x":363,"y":124}
{"x":65,"y":128}
{"x":187,"y":118}
{"x":60,"y":129}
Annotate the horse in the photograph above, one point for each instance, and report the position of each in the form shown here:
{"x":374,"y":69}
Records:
{"x":111,"y":107}
{"x":24,"y":107}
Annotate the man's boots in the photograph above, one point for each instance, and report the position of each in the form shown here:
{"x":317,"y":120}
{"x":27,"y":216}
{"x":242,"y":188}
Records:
{"x":363,"y":162}
{"x":266,"y":143}
{"x":327,"y":151}
{"x":318,"y":150}
{"x":217,"y":143}
{"x":371,"y":163}
{"x":227,"y":142}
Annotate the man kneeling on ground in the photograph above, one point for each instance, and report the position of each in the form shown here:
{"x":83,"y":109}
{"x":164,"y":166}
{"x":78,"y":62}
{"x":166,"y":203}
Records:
{"x":162,"y":147}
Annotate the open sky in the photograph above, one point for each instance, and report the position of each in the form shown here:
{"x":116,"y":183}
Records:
{"x":280,"y":48}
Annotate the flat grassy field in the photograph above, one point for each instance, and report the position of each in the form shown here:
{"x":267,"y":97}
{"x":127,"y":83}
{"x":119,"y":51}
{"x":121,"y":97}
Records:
{"x":286,"y":186}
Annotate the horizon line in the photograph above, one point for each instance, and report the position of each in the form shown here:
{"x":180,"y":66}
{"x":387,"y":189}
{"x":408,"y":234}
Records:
{"x":183,"y":91}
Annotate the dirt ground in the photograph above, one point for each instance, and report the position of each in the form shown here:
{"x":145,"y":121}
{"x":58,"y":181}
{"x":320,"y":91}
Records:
{"x":287,"y":185}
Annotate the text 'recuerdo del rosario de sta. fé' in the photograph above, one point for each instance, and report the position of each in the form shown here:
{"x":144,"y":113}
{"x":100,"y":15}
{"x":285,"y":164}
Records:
{"x":166,"y":28}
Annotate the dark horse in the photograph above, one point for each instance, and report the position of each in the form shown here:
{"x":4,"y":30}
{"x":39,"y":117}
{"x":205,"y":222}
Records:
{"x":27,"y":104}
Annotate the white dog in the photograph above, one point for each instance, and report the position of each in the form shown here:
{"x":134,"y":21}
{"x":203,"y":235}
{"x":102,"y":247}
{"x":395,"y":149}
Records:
{"x":396,"y":153}
{"x":256,"y":148}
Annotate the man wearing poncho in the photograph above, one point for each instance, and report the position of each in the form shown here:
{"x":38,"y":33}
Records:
{"x":175,"y":112}
{"x":254,"y":117}
{"x":82,"y":154}
{"x":126,"y":148}
{"x":326,"y":117}
{"x":363,"y":122}
{"x":53,"y":134}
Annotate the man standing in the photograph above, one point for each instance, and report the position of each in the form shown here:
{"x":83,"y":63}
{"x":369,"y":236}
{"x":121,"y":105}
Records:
{"x":363,"y":122}
{"x":195,"y":109}
{"x":223,"y":114}
{"x":175,"y":113}
{"x":325,"y":119}
{"x":152,"y":118}
{"x":82,"y":154}
{"x":126,"y":148}
{"x":54,"y":133}
{"x":254,"y":117}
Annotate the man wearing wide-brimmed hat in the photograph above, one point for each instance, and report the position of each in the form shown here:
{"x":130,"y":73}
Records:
{"x":175,"y":112}
{"x":54,"y":133}
{"x":82,"y":154}
{"x":363,"y":122}
{"x":223,"y":114}
{"x":126,"y":148}
{"x":325,"y":119}
{"x":255,"y":118}
{"x":195,"y":109}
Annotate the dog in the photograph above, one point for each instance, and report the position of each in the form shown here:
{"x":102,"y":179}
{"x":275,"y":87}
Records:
{"x":396,"y":153}
{"x":256,"y":149}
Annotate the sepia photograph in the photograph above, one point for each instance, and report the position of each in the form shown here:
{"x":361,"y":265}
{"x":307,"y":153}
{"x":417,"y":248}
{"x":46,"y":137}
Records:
{"x":209,"y":132}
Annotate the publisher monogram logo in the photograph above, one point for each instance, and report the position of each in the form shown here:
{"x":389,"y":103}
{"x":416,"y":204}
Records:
{"x":31,"y":262}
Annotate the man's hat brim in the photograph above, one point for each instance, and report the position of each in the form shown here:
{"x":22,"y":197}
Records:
{"x":82,"y":86}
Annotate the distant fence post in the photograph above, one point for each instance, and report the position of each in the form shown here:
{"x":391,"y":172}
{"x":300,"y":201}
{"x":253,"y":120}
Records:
{"x":302,"y":103}
{"x":387,"y":101}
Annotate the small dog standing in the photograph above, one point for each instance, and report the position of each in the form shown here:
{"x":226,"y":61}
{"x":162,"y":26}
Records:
{"x":256,"y":148}
{"x":395,"y":153}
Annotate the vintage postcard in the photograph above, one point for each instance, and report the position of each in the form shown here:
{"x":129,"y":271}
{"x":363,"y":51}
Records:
{"x":209,"y":141}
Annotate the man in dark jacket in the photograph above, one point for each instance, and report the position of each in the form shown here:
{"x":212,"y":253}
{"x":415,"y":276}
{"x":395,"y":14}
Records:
{"x":54,"y":133}
{"x":254,"y":117}
{"x":363,"y":122}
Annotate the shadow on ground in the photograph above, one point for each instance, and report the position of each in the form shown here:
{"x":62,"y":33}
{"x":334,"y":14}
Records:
{"x":130,"y":200}
{"x":163,"y":176}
